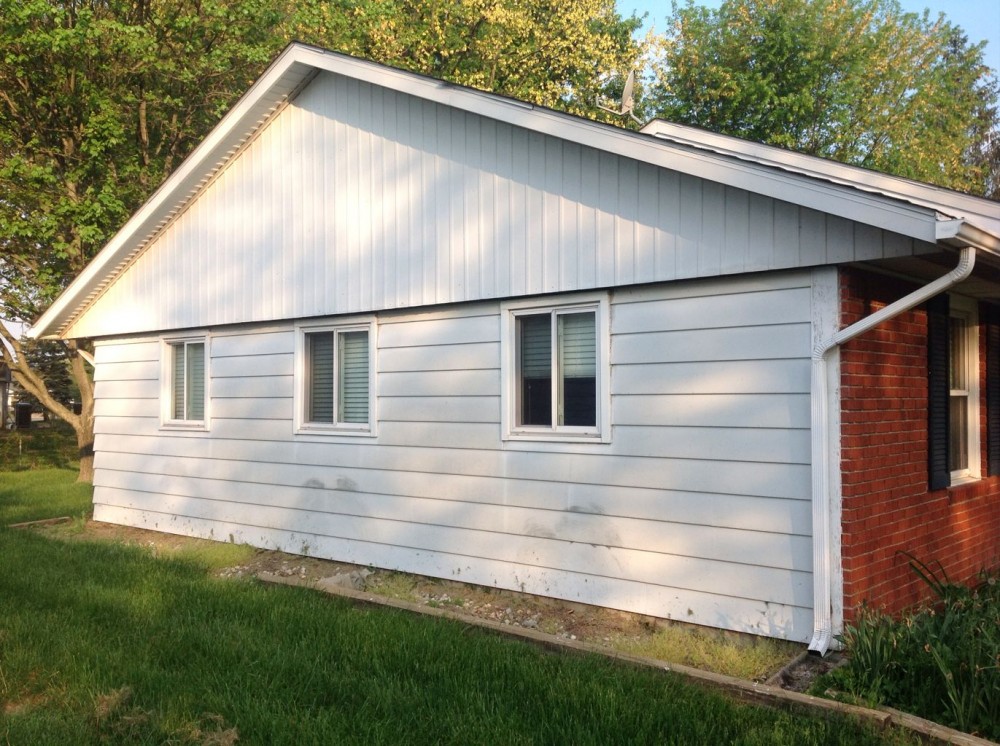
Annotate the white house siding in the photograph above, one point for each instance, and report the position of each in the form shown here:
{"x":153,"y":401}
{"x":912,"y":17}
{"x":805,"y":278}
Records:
{"x":355,"y":198}
{"x":698,"y":509}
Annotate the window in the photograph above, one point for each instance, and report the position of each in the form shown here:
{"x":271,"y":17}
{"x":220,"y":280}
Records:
{"x":555,"y":358}
{"x":963,"y":394}
{"x":953,"y":389}
{"x":185,"y":376}
{"x":336,"y":380}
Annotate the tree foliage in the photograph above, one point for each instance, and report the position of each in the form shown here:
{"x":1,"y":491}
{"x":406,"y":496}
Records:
{"x":557,"y":53}
{"x":858,"y":81}
{"x":101,"y":99}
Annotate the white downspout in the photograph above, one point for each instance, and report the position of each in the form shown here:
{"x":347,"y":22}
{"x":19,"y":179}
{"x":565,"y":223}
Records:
{"x":821,"y":461}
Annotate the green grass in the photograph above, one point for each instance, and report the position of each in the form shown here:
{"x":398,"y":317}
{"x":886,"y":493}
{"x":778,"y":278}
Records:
{"x":105,"y":643}
{"x":50,"y":445}
{"x":40,"y":494}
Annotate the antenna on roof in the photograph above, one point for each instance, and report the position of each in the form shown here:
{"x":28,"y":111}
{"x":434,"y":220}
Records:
{"x":628,"y":100}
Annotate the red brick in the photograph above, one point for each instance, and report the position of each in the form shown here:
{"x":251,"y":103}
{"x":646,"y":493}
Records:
{"x":887,"y":509}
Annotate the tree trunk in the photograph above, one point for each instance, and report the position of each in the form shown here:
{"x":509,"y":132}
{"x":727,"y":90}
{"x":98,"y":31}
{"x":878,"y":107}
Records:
{"x":32,"y":382}
{"x":84,"y":425}
{"x":86,"y":444}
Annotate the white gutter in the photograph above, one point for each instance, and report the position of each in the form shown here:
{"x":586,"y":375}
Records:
{"x":821,"y":437}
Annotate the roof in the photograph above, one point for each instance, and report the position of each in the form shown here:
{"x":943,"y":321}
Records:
{"x":910,"y":208}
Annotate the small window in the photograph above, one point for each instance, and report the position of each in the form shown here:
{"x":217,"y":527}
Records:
{"x":556,"y":361}
{"x":184,"y":397}
{"x":336,"y":379}
{"x":963,"y":394}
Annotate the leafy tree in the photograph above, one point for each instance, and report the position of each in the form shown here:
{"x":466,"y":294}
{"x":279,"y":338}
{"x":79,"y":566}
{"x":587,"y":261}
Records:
{"x":101,"y":99}
{"x":556,"y":53}
{"x":858,"y":81}
{"x":49,"y":360}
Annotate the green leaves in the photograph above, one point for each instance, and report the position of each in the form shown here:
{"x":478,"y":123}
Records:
{"x":855,"y":80}
{"x":99,"y":102}
{"x":549,"y":52}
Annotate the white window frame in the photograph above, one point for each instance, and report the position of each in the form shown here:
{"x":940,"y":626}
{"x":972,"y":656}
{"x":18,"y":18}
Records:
{"x":303,"y":426}
{"x":510,"y":312}
{"x":966,"y":310}
{"x":167,"y":348}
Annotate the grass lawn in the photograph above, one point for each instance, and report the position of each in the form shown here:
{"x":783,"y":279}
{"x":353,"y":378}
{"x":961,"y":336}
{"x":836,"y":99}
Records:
{"x":50,"y":445}
{"x":105,"y":643}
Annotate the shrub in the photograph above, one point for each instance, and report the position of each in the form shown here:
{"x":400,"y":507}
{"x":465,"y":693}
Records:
{"x":941,"y":661}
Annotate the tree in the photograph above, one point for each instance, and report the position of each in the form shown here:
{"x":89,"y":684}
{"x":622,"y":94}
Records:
{"x":101,"y":99}
{"x":556,"y":53}
{"x":858,"y":81}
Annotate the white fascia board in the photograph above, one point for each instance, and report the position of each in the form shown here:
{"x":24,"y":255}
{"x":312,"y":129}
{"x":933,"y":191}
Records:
{"x":299,"y":62}
{"x":282,"y":78}
{"x":978,"y":210}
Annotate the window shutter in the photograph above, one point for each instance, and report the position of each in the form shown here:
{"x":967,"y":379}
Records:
{"x":195,"y":381}
{"x":938,"y":390}
{"x":993,"y":390}
{"x":320,"y":376}
{"x":353,"y":351}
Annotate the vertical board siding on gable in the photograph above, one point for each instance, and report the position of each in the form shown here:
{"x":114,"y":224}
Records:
{"x":357,"y":199}
{"x":698,"y":509}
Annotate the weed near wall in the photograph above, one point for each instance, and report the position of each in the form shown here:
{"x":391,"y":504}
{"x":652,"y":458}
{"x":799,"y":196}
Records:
{"x":941,"y":661}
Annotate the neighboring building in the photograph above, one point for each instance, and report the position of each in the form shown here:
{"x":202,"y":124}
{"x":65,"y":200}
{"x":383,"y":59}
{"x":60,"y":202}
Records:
{"x":392,"y":321}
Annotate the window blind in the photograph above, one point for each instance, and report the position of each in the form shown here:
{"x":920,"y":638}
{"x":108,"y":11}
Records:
{"x":353,"y":383}
{"x":577,"y":340}
{"x":188,"y":381}
{"x":536,"y":346}
{"x":577,"y":334}
{"x":195,"y":381}
{"x":177,"y":394}
{"x":320,"y":357}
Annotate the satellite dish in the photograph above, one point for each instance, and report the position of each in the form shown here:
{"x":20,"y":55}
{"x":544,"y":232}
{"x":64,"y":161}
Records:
{"x":628,"y":100}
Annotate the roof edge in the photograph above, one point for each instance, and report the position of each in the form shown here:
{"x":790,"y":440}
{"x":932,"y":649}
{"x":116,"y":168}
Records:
{"x":117,"y":249}
{"x":750,"y":166}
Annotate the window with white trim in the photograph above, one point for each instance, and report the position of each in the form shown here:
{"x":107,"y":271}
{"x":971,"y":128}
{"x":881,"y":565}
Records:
{"x":185,"y":376}
{"x":335,"y":389}
{"x":963,"y":394}
{"x":556,"y":363}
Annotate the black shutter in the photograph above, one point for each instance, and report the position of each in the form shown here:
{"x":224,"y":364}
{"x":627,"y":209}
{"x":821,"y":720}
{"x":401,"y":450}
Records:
{"x":993,"y":390}
{"x":938,"y":392}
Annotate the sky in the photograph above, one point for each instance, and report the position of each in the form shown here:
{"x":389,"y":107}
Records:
{"x":980,"y":19}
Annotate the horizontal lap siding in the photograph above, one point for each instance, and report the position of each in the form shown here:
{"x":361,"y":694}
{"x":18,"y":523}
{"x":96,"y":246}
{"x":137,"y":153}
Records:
{"x":697,"y":509}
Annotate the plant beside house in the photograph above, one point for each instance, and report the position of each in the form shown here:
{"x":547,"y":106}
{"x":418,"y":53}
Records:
{"x":941,"y":661}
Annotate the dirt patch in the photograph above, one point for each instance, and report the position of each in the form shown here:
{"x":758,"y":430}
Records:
{"x":615,"y":630}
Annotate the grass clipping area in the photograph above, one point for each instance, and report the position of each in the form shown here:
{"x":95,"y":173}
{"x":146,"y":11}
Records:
{"x":105,"y":642}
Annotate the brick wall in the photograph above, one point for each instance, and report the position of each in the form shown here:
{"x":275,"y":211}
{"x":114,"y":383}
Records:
{"x":887,"y":508}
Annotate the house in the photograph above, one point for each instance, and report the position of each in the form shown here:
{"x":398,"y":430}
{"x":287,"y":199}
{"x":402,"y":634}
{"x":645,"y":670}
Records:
{"x":392,"y":321}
